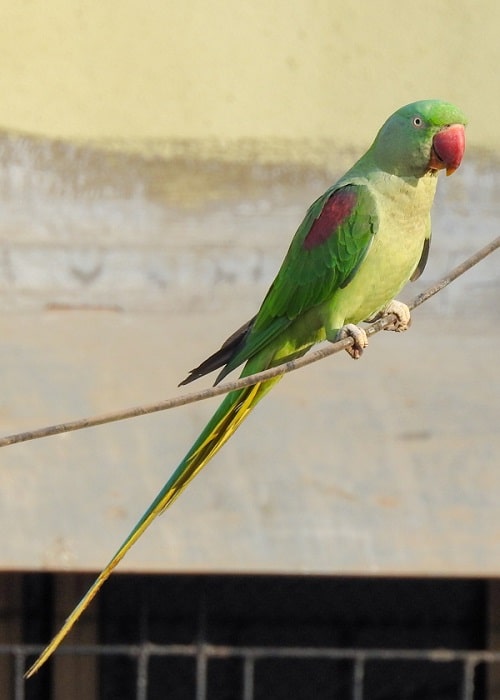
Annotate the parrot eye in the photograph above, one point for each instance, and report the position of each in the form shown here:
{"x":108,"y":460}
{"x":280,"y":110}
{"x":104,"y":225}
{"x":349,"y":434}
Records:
{"x":417,"y":122}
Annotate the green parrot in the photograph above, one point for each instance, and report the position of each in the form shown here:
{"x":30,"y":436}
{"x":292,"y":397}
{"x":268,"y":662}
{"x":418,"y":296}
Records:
{"x":358,"y":245}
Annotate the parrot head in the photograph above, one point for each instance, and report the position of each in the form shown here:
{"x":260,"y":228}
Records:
{"x":422,"y":137}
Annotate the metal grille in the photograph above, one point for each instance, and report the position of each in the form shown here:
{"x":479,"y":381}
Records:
{"x":261,"y":638}
{"x":459,"y":680}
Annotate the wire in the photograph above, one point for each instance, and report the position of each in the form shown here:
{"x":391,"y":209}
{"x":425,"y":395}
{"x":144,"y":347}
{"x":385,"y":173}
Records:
{"x":226,"y":387}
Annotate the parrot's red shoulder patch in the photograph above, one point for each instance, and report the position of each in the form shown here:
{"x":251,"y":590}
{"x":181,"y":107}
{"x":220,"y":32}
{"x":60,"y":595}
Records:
{"x":336,"y":210}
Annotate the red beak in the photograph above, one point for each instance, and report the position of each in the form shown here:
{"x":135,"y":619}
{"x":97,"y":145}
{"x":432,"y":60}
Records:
{"x":448,"y":147}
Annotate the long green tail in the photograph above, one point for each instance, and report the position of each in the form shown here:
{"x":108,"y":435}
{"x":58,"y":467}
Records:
{"x":230,"y":414}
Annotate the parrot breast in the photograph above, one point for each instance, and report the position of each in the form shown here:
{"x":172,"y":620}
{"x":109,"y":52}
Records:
{"x":404,"y":224}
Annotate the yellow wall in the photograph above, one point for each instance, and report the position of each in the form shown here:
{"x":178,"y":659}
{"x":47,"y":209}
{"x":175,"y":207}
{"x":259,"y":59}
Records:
{"x":299,"y":69}
{"x":120,"y":271}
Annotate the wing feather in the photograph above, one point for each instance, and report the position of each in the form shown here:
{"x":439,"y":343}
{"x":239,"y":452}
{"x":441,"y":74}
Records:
{"x":325,"y":253}
{"x":423,"y":260}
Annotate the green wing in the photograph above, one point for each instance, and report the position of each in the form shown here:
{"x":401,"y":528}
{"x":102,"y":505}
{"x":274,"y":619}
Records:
{"x":423,"y":259}
{"x":323,"y":257}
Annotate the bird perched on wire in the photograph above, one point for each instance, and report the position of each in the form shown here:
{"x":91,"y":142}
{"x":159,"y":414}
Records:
{"x":358,"y":245}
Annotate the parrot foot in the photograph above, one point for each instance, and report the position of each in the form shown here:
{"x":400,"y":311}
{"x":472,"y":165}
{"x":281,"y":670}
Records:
{"x":359,"y":337}
{"x":402,"y":313}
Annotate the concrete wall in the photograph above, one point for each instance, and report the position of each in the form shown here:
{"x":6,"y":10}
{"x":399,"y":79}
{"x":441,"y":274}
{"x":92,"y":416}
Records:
{"x":303,"y":69}
{"x":154,"y":164}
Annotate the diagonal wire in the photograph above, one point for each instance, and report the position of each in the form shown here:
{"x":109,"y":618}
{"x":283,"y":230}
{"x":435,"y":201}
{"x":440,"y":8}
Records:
{"x":249,"y":380}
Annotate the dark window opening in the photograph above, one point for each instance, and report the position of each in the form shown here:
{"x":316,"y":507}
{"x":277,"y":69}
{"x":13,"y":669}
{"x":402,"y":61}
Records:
{"x":251,"y":638}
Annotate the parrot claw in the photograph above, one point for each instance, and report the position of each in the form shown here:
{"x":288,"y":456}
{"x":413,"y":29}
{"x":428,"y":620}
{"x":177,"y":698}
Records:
{"x":360,"y":341}
{"x":402,"y":313}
